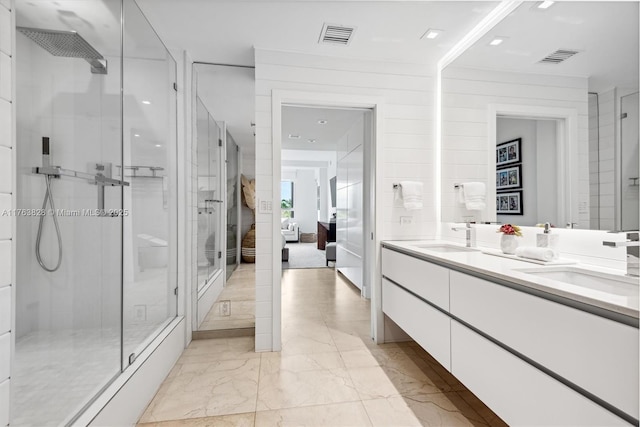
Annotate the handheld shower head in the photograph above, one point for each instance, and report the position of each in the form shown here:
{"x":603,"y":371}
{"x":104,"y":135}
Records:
{"x":69,"y":44}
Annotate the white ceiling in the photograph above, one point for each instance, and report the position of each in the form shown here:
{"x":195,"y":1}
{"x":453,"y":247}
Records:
{"x":226,"y":31}
{"x":303,"y":121}
{"x":605,"y":32}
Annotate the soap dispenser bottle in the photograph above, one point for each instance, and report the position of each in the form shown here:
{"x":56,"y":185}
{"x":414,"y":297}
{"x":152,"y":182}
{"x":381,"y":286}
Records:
{"x":546,"y":239}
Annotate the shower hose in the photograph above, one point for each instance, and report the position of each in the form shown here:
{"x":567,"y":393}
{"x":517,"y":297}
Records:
{"x":48,"y":196}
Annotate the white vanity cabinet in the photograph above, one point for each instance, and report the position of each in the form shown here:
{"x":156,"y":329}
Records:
{"x":533,"y":360}
{"x":426,"y":325}
{"x":423,"y":278}
{"x":419,"y":281}
{"x":519,"y":393}
{"x":595,"y":353}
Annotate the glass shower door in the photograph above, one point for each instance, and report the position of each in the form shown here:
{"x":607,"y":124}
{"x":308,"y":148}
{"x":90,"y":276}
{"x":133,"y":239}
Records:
{"x":150,"y":223}
{"x":629,"y":155}
{"x":215,"y":200}
{"x":69,"y":271}
{"x":209,"y":195}
{"x":232,"y":204}
{"x":202,"y":135}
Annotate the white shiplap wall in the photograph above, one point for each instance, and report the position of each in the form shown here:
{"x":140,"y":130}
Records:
{"x":407,"y":145}
{"x":7,"y":186}
{"x":466,"y":96}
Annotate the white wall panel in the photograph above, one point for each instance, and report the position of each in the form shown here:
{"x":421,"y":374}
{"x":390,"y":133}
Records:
{"x":407,"y":91}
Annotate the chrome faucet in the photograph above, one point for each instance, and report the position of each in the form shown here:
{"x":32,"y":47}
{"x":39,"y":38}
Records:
{"x":633,"y":252}
{"x":470,"y":234}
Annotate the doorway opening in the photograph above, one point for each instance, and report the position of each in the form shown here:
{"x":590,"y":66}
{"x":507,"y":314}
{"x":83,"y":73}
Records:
{"x":322,"y":188}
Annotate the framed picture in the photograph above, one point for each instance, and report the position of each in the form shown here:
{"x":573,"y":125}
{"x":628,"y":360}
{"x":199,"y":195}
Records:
{"x":508,"y":152}
{"x":509,"y":178}
{"x":509,"y":203}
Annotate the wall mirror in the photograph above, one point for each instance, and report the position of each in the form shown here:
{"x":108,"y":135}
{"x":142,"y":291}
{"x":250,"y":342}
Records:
{"x":224,"y":287}
{"x":544,"y":110}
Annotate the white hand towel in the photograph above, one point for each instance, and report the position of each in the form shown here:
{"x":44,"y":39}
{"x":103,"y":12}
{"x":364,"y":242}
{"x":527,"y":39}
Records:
{"x":473,"y":195}
{"x":542,"y":254}
{"x":411,"y":195}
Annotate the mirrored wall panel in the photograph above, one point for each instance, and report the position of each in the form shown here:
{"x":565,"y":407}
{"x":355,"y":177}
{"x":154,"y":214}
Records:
{"x":547,"y":120}
{"x":225,"y":282}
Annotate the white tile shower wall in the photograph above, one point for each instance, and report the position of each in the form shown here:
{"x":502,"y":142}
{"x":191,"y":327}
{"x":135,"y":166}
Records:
{"x":7,"y":132}
{"x":4,"y":403}
{"x":5,"y":123}
{"x":65,"y":87}
{"x":466,"y":94}
{"x":5,"y":76}
{"x":407,"y":143}
{"x":5,"y":309}
{"x":6,"y":259}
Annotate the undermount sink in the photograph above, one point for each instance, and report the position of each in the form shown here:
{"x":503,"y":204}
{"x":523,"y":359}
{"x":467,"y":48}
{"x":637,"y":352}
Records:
{"x":443,"y":247}
{"x":596,"y":280}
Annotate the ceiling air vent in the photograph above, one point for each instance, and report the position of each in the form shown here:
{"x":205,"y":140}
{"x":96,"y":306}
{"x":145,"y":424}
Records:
{"x":336,"y":34}
{"x":559,"y":56}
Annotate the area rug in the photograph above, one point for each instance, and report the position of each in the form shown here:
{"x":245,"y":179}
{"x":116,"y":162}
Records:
{"x":304,"y":255}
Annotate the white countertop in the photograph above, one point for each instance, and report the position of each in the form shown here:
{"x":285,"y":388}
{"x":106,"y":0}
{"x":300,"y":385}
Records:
{"x":623,"y":299}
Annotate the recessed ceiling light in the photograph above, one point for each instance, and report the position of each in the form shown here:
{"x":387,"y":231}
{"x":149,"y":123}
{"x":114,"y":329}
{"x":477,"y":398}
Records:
{"x":158,"y":145}
{"x":322,"y":122}
{"x":293,"y":136}
{"x":311,"y":141}
{"x":497,"y":41}
{"x":545,"y":4}
{"x":146,"y":102}
{"x":431,"y":34}
{"x":137,"y":135}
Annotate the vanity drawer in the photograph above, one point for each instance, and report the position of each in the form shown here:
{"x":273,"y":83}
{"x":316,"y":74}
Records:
{"x":428,"y":280}
{"x":516,"y":391}
{"x":426,"y":325}
{"x":597,"y":354}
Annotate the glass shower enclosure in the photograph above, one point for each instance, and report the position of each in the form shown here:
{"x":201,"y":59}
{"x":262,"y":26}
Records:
{"x":96,"y":188}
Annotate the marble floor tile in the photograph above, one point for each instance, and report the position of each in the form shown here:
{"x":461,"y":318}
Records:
{"x":359,"y":358}
{"x":476,"y":404}
{"x":329,"y":372}
{"x":437,"y":411}
{"x":299,"y":342}
{"x":290,"y":389}
{"x":372,"y":382}
{"x":235,"y":420}
{"x":336,"y":415}
{"x":207,"y":389}
{"x":272,"y":363}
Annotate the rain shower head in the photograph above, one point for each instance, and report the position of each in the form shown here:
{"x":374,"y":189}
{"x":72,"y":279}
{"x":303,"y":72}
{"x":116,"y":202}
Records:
{"x":69,"y":44}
